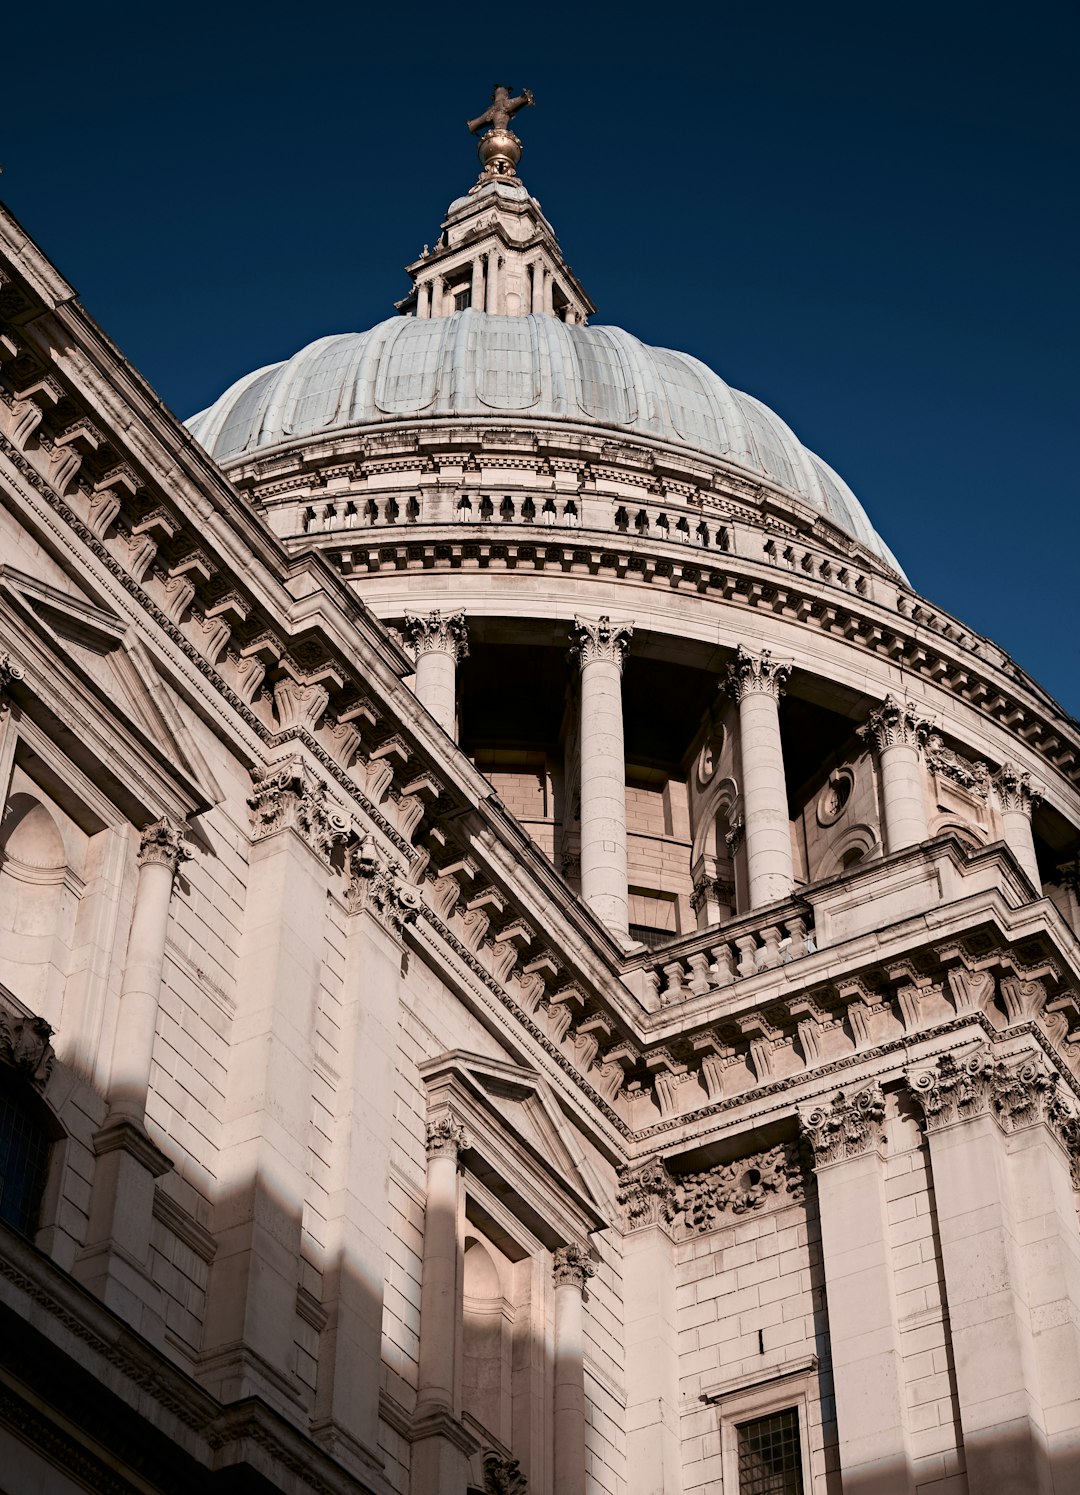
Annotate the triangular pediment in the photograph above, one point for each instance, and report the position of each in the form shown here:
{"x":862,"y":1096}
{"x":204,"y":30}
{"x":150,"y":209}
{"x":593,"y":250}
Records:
{"x":104,"y":652}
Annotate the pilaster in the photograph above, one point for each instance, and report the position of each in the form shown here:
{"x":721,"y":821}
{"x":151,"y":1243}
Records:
{"x":847,"y":1141}
{"x":646,"y":1199}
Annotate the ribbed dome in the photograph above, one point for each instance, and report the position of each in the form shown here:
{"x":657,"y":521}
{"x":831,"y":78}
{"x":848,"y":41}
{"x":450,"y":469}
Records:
{"x":535,"y":367}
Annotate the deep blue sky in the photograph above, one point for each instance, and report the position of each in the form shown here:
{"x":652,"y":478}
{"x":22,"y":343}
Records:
{"x":864,"y":214}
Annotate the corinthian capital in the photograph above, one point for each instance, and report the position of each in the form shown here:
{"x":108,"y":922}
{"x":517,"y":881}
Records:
{"x":290,"y":796}
{"x":952,"y":1089}
{"x":10,"y":671}
{"x":601,"y":640}
{"x":162,"y":841}
{"x":847,"y":1126}
{"x":1014,"y":789}
{"x":646,"y":1194}
{"x":573,"y":1267}
{"x":894,"y":723}
{"x":437,"y":633}
{"x":446,"y":1137}
{"x":760,"y":674}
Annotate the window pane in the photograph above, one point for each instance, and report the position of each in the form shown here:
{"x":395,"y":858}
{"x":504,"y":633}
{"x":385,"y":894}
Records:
{"x":770,"y":1460}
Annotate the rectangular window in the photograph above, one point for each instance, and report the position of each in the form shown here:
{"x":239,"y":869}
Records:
{"x":770,"y":1456}
{"x":463,"y":299}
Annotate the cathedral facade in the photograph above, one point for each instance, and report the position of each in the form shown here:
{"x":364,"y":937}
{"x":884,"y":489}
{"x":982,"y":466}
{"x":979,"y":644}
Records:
{"x":531,"y":960}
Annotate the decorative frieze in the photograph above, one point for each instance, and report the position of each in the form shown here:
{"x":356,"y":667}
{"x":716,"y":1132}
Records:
{"x":1015,"y":789}
{"x":601,"y":640}
{"x":646,"y":1194}
{"x":446,"y":1137}
{"x":25,"y":1041}
{"x":162,"y":842}
{"x":895,"y":723}
{"x":756,"y":673}
{"x":971,"y":774}
{"x":849,"y":1125}
{"x":573,"y":1266}
{"x":703,"y":1201}
{"x":438,"y":633}
{"x":290,"y":796}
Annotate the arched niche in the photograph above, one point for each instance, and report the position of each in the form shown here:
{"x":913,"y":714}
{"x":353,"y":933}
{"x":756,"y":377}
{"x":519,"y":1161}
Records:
{"x":487,"y":1338}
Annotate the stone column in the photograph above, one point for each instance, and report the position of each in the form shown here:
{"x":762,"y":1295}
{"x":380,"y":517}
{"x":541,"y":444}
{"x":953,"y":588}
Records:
{"x":573,"y":1268}
{"x":437,"y":296}
{"x":654,"y":1452}
{"x":115,"y":1262}
{"x":423,"y":301}
{"x":538,"y":275}
{"x":756,"y":683}
{"x":848,"y":1144}
{"x":476,"y":298}
{"x":440,"y":642}
{"x":491,"y":304}
{"x":1016,"y":798}
{"x":897,"y":733}
{"x":441,"y":1445}
{"x":994,"y":1351}
{"x":161,"y":849}
{"x":601,"y":648}
{"x":381,"y":905}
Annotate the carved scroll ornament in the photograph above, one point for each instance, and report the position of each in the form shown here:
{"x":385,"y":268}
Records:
{"x":847,"y":1126}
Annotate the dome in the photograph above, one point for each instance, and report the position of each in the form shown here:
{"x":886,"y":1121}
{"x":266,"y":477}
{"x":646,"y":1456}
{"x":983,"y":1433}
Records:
{"x":535,"y":368}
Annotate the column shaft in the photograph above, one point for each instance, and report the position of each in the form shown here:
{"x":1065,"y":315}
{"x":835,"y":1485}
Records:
{"x":756,"y":683}
{"x":136,"y":1022}
{"x":654,"y":1462}
{"x":440,"y":1293}
{"x":897,"y":732}
{"x":602,"y":782}
{"x":1017,"y":796}
{"x":423,"y":301}
{"x":440,"y":641}
{"x":476,"y":298}
{"x":491,"y":304}
{"x":572,"y":1269}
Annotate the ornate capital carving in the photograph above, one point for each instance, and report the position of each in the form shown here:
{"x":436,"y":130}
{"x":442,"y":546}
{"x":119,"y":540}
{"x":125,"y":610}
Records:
{"x":1015,"y":790}
{"x":848,"y":1126}
{"x":376,"y":881}
{"x":24,"y":1041}
{"x":290,"y":796}
{"x":1018,"y":1094}
{"x":573,"y":1266}
{"x":703,"y":1200}
{"x":601,"y":640}
{"x":750,"y":674}
{"x":439,"y":634}
{"x":446,"y":1137}
{"x":162,"y":842}
{"x":970,"y":773}
{"x":503,"y":1476}
{"x":646,"y":1194}
{"x":895,"y":723}
{"x":10,"y":671}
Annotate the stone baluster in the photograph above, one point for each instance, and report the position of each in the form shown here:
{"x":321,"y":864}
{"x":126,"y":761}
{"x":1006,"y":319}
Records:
{"x":573,"y":1268}
{"x":441,"y":642}
{"x":966,"y":1100}
{"x":847,"y":1141}
{"x":756,"y":683}
{"x":646,"y":1200}
{"x":601,"y":648}
{"x":1016,"y":798}
{"x":897,"y":734}
{"x":440,"y":1445}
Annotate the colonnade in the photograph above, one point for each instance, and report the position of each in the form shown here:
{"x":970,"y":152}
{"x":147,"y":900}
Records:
{"x":895,"y":731}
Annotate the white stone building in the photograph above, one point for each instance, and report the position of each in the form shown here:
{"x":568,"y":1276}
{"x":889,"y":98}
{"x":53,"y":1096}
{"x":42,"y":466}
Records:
{"x":530,"y":961}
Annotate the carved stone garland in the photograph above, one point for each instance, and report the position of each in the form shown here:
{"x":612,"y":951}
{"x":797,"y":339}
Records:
{"x":703,"y":1199}
{"x":971,"y":774}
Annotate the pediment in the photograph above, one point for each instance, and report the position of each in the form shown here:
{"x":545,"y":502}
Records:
{"x":102,"y":650}
{"x":517,"y":1124}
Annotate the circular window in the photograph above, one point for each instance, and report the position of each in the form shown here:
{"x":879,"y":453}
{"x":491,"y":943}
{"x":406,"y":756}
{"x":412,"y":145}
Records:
{"x":834,"y":797}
